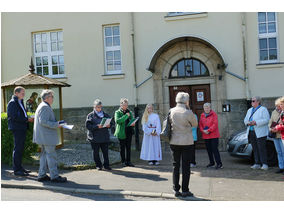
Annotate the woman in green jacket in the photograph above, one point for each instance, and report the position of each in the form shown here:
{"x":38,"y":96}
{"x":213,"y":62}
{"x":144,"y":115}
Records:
{"x":123,"y":131}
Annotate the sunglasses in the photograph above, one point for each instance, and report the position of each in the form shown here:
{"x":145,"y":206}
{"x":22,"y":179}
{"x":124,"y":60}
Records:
{"x":253,"y":101}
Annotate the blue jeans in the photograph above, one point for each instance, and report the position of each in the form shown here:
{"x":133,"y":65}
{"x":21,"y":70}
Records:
{"x":279,"y":146}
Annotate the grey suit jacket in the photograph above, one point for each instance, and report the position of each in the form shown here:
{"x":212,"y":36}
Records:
{"x":45,"y":126}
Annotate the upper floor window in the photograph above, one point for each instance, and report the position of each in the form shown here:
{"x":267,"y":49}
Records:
{"x":188,"y":68}
{"x":48,"y":53}
{"x":112,"y":49}
{"x":267,"y":37}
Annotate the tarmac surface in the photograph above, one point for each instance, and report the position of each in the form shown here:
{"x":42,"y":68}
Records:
{"x":235,"y":182}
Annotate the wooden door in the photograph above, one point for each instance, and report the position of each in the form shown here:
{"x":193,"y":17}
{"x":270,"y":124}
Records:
{"x":199,"y":94}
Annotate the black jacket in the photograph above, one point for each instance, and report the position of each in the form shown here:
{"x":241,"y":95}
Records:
{"x":16,"y":117}
{"x":94,"y":133}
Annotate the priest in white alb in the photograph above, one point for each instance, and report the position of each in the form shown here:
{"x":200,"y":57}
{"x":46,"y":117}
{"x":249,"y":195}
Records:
{"x":151,"y":145}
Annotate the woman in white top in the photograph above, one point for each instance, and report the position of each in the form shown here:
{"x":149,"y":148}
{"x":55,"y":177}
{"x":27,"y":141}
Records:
{"x":151,"y":145}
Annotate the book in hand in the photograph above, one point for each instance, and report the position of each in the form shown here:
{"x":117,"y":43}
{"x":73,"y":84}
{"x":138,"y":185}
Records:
{"x":105,"y":122}
{"x":133,"y":121}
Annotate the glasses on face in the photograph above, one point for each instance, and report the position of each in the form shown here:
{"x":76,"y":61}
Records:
{"x":253,"y":101}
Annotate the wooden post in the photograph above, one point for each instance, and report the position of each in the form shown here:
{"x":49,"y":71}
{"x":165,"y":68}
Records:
{"x":61,"y":114}
{"x":4,"y":97}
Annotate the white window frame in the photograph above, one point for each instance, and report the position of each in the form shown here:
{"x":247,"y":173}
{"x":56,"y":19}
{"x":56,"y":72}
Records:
{"x":267,"y":36}
{"x":49,"y":54}
{"x":112,"y":48}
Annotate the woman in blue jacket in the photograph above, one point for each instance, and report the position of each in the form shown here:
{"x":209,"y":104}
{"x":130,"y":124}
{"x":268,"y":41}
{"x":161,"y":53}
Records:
{"x":98,"y":135}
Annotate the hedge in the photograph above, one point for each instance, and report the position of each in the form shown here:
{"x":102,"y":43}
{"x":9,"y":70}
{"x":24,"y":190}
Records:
{"x":7,"y":142}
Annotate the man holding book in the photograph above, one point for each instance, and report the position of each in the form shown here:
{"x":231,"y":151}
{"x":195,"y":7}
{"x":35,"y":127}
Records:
{"x":97,"y":123}
{"x":124,"y":130}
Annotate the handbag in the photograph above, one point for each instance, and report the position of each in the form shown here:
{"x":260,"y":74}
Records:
{"x":273,"y":124}
{"x":166,"y":133}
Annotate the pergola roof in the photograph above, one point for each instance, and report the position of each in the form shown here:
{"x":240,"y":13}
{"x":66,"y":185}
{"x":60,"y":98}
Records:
{"x":32,"y":79}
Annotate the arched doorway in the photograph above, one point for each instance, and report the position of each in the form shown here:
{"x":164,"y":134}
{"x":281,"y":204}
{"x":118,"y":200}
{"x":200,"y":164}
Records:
{"x":193,"y":64}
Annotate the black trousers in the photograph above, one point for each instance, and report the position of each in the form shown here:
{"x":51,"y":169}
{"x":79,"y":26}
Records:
{"x":181,"y":153}
{"x":212,"y":150}
{"x":125,"y":145}
{"x":192,"y":158}
{"x":19,"y":145}
{"x":96,"y":149}
{"x":258,"y":147}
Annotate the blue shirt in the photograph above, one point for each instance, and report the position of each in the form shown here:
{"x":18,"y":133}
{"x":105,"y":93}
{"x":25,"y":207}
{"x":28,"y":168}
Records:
{"x":194,"y":130}
{"x":251,"y":128}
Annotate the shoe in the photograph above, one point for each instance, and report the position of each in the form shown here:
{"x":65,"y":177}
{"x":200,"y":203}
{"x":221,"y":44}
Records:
{"x":44,"y":178}
{"x":210,"y":165}
{"x":177,"y":193}
{"x":59,"y":179}
{"x":157,"y":163}
{"x":100,"y":168}
{"x":255,"y":166}
{"x":27,"y":171}
{"x":21,"y":173}
{"x":279,"y":171}
{"x":108,"y":168}
{"x":264,"y":167}
{"x":129,"y":164}
{"x":151,"y":163}
{"x":220,"y":166}
{"x":186,"y":194}
{"x":192,"y":165}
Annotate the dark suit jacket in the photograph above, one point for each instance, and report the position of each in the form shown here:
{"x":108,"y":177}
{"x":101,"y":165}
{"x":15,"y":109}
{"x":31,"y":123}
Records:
{"x":94,"y":134}
{"x":16,"y":117}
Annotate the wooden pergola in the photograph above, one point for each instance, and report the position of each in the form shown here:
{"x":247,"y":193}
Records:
{"x":33,"y":80}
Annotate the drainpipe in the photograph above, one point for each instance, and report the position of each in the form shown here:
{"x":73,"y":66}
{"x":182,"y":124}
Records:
{"x":244,"y":38}
{"x":136,"y":109}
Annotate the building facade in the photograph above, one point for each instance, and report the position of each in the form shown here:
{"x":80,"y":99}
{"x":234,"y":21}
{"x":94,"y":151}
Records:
{"x":222,"y":58}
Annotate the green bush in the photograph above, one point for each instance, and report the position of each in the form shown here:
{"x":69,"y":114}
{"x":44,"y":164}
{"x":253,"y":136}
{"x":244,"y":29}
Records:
{"x":7,"y":142}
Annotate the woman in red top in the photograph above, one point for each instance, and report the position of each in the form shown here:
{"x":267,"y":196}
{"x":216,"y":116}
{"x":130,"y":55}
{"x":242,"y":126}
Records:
{"x":208,"y":126}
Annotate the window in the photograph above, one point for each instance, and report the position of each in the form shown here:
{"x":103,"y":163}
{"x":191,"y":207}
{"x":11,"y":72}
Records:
{"x":112,"y":49}
{"x":48,"y":53}
{"x":188,"y":68}
{"x":267,"y":37}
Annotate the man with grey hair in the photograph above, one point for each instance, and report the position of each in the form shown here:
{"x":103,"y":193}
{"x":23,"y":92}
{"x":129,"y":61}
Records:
{"x":45,"y":134}
{"x":256,"y":120}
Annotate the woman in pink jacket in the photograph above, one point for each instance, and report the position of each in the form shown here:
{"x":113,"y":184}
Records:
{"x":208,"y":126}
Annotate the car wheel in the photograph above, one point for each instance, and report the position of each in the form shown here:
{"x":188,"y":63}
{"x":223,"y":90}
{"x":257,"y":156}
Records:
{"x":271,"y":154}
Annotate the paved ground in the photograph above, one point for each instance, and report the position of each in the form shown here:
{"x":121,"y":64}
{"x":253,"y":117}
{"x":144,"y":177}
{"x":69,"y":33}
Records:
{"x":235,"y":182}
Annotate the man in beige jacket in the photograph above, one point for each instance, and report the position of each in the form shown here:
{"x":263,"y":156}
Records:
{"x":182,"y":120}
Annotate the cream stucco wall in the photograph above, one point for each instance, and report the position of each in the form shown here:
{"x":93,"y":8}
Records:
{"x":265,"y":80}
{"x":222,"y":30}
{"x":84,"y":51}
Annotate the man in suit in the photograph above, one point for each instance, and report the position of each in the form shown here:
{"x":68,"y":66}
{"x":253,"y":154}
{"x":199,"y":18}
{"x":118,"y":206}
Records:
{"x":18,"y":124}
{"x":45,"y":134}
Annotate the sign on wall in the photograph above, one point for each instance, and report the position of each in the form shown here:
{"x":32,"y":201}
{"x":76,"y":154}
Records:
{"x":200,"y":96}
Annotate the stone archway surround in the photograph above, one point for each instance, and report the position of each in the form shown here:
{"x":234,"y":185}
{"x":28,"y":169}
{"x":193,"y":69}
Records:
{"x":210,"y":57}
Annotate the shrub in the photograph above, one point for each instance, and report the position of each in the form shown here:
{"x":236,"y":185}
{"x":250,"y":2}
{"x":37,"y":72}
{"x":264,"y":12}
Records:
{"x":7,"y":142}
